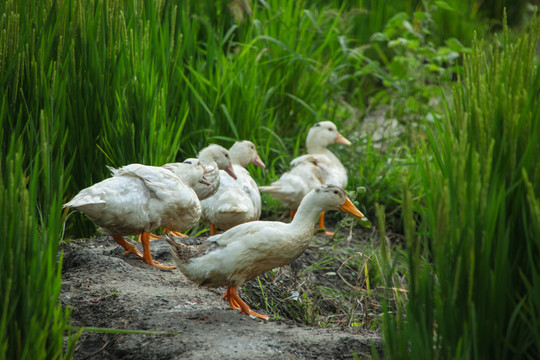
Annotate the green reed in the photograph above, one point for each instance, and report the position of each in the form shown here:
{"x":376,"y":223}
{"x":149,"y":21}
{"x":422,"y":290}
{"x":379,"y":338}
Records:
{"x":90,"y":83}
{"x":33,"y":324}
{"x":473,"y":268}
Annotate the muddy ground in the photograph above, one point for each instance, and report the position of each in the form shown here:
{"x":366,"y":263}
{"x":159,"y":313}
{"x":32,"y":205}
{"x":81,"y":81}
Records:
{"x":106,"y":289}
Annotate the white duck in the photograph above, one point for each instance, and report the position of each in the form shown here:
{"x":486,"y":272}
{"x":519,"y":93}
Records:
{"x":250,"y":249}
{"x":218,"y":157}
{"x":236,"y":201}
{"x":319,"y":166}
{"x":138,"y":199}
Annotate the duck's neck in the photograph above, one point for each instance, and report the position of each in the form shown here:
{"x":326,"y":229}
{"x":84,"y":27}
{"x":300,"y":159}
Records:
{"x":319,"y":149}
{"x":207,"y":160}
{"x":238,"y":159}
{"x":314,"y":147}
{"x":306,"y":215}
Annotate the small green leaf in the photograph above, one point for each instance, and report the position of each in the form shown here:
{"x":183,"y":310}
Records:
{"x":365,"y":223}
{"x":444,"y":5}
{"x":378,"y":36}
{"x":457,"y":46}
{"x":420,"y":15}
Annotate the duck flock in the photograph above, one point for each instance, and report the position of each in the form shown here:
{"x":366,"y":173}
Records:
{"x":216,"y":188}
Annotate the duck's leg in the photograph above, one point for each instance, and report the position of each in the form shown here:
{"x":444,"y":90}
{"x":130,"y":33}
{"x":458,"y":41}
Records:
{"x":213,"y":230}
{"x":147,"y":257}
{"x":233,"y":296}
{"x":129,"y":247}
{"x":153,"y":237}
{"x":228,"y":297}
{"x":321,"y":226}
{"x":175,"y":233}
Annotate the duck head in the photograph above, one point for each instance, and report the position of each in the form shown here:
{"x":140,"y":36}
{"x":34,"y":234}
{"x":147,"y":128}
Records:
{"x":332,"y":197}
{"x":191,"y":171}
{"x":244,"y":153}
{"x":220,"y":156}
{"x":323,"y":134}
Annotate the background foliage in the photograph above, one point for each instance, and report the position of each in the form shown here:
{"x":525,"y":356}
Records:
{"x":91,"y":83}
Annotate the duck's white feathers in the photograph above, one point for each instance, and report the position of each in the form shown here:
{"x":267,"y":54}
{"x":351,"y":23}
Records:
{"x":219,"y":158}
{"x":235,"y":202}
{"x":139,"y":198}
{"x":293,"y":185}
{"x":246,"y":251}
{"x":328,"y":169}
{"x":205,"y":191}
{"x":252,"y":248}
{"x":319,"y":166}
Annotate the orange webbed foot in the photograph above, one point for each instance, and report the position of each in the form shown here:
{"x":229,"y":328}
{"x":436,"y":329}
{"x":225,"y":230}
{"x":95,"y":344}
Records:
{"x":232,"y":302}
{"x":147,"y":257}
{"x":324,"y":232}
{"x":233,"y":297}
{"x":160,"y":265}
{"x":153,"y":237}
{"x":175,"y":233}
{"x":322,"y":227}
{"x":129,"y":247}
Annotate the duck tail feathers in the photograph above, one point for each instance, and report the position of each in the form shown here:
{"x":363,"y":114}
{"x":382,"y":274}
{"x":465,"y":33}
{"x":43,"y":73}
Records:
{"x":183,"y":253}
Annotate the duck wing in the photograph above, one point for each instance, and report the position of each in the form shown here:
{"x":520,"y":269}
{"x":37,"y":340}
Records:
{"x":293,"y":185}
{"x":162,"y":183}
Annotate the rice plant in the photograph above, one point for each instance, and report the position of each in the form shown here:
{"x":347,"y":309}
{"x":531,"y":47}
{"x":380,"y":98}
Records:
{"x":473,"y":275}
{"x":33,"y":324}
{"x":155,"y":81}
{"x":91,"y":83}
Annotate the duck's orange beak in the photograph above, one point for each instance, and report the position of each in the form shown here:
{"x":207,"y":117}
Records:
{"x":340,"y":139}
{"x":230,"y":171}
{"x":258,"y":162}
{"x":349,"y":208}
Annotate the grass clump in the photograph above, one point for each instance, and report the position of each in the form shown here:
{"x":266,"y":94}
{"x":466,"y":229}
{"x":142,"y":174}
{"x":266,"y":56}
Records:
{"x":32,"y":324}
{"x":473,"y":275}
{"x":92,"y":83}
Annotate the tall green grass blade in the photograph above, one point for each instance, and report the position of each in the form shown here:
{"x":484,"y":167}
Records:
{"x":470,"y":290}
{"x":32,"y":323}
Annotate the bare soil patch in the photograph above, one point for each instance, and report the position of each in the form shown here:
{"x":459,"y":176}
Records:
{"x":106,"y":289}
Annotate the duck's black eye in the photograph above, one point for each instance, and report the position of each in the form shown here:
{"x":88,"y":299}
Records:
{"x":316,"y":125}
{"x":330,"y":129}
{"x":335,"y":192}
{"x":252,"y":146}
{"x":187,"y":162}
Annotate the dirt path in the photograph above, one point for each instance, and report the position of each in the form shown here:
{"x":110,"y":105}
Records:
{"x":109,"y":290}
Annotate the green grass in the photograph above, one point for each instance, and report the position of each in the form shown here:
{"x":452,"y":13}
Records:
{"x":92,"y":83}
{"x":473,"y":275}
{"x":179,"y":76}
{"x":32,"y":323}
